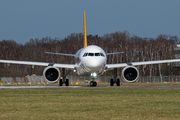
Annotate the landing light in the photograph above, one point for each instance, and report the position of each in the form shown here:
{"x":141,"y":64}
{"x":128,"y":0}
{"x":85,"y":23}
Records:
{"x":94,"y":74}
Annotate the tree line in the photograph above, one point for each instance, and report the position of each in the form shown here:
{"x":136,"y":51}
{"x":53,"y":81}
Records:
{"x":135,"y":49}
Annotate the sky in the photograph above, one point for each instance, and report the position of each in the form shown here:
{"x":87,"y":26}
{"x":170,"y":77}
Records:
{"x":21,"y":20}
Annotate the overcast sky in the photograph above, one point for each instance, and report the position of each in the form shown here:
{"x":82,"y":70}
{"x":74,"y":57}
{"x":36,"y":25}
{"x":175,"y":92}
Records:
{"x":21,"y":20}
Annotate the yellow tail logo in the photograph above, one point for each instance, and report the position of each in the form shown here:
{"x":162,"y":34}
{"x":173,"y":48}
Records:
{"x":85,"y":35}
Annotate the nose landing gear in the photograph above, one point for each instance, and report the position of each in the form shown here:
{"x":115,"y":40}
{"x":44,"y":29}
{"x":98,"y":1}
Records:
{"x":93,"y":83}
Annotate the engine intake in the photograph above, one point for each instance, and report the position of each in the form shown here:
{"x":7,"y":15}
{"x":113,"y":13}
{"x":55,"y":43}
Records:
{"x":51,"y":74}
{"x":130,"y":74}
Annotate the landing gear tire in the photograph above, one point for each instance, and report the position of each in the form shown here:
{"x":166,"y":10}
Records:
{"x":93,"y":84}
{"x":60,"y":82}
{"x":67,"y":82}
{"x":118,"y":82}
{"x":111,"y":82}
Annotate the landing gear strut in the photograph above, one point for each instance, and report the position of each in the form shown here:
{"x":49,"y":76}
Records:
{"x":93,"y":83}
{"x":115,"y":80}
{"x":64,"y":80}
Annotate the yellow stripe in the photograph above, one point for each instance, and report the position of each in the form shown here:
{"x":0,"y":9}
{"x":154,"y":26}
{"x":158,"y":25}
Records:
{"x":85,"y":35}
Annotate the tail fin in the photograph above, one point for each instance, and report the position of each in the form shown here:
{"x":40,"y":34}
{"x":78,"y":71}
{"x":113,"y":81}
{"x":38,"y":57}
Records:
{"x":85,"y":35}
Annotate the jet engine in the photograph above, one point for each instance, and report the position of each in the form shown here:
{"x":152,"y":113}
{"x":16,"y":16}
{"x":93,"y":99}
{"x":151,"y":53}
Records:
{"x":51,"y":74}
{"x":130,"y":74}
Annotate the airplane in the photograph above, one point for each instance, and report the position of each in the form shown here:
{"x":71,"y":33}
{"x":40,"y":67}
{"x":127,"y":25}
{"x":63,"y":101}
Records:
{"x":89,"y":60}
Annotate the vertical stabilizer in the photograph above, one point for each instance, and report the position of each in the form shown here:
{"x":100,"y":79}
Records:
{"x":85,"y":35}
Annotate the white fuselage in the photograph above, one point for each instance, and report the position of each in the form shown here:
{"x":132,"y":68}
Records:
{"x":90,"y":59}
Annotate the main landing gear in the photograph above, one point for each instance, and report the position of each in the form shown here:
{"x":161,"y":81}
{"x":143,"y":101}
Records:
{"x":115,"y":80}
{"x":64,"y":80}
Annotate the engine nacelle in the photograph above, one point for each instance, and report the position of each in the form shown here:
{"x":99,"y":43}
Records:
{"x":130,"y":74}
{"x":51,"y":74}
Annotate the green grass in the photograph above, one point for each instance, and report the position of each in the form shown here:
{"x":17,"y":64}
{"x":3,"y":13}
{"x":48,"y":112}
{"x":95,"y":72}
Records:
{"x":89,"y":104}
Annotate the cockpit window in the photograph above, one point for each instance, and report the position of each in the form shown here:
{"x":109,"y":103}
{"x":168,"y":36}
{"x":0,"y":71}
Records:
{"x":102,"y":54}
{"x":90,"y":54}
{"x":85,"y":54}
{"x":97,"y":54}
{"x":93,"y":54}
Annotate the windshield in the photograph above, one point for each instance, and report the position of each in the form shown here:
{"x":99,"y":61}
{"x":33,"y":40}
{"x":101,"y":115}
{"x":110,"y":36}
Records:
{"x":93,"y":54}
{"x":90,"y":54}
{"x":97,"y":54}
{"x":85,"y":54}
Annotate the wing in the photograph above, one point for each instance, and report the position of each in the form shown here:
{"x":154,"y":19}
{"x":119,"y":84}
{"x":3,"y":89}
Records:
{"x":67,"y":66}
{"x":60,"y":54}
{"x":114,"y":53}
{"x":111,"y":66}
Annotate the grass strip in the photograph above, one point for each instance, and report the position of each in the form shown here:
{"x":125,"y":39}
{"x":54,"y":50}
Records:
{"x":88,"y":104}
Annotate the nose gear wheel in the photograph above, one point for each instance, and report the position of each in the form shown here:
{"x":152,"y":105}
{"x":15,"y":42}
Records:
{"x":93,"y":84}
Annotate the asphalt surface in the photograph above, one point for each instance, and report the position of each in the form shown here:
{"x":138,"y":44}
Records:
{"x":99,"y":86}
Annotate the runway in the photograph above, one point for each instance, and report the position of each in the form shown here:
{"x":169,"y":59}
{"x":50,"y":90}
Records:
{"x":39,"y":86}
{"x":85,"y":86}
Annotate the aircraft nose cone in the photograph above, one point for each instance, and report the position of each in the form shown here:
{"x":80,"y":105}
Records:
{"x":95,"y":65}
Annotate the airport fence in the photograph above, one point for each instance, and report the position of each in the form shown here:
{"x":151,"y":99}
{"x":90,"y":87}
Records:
{"x":81,"y":79}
